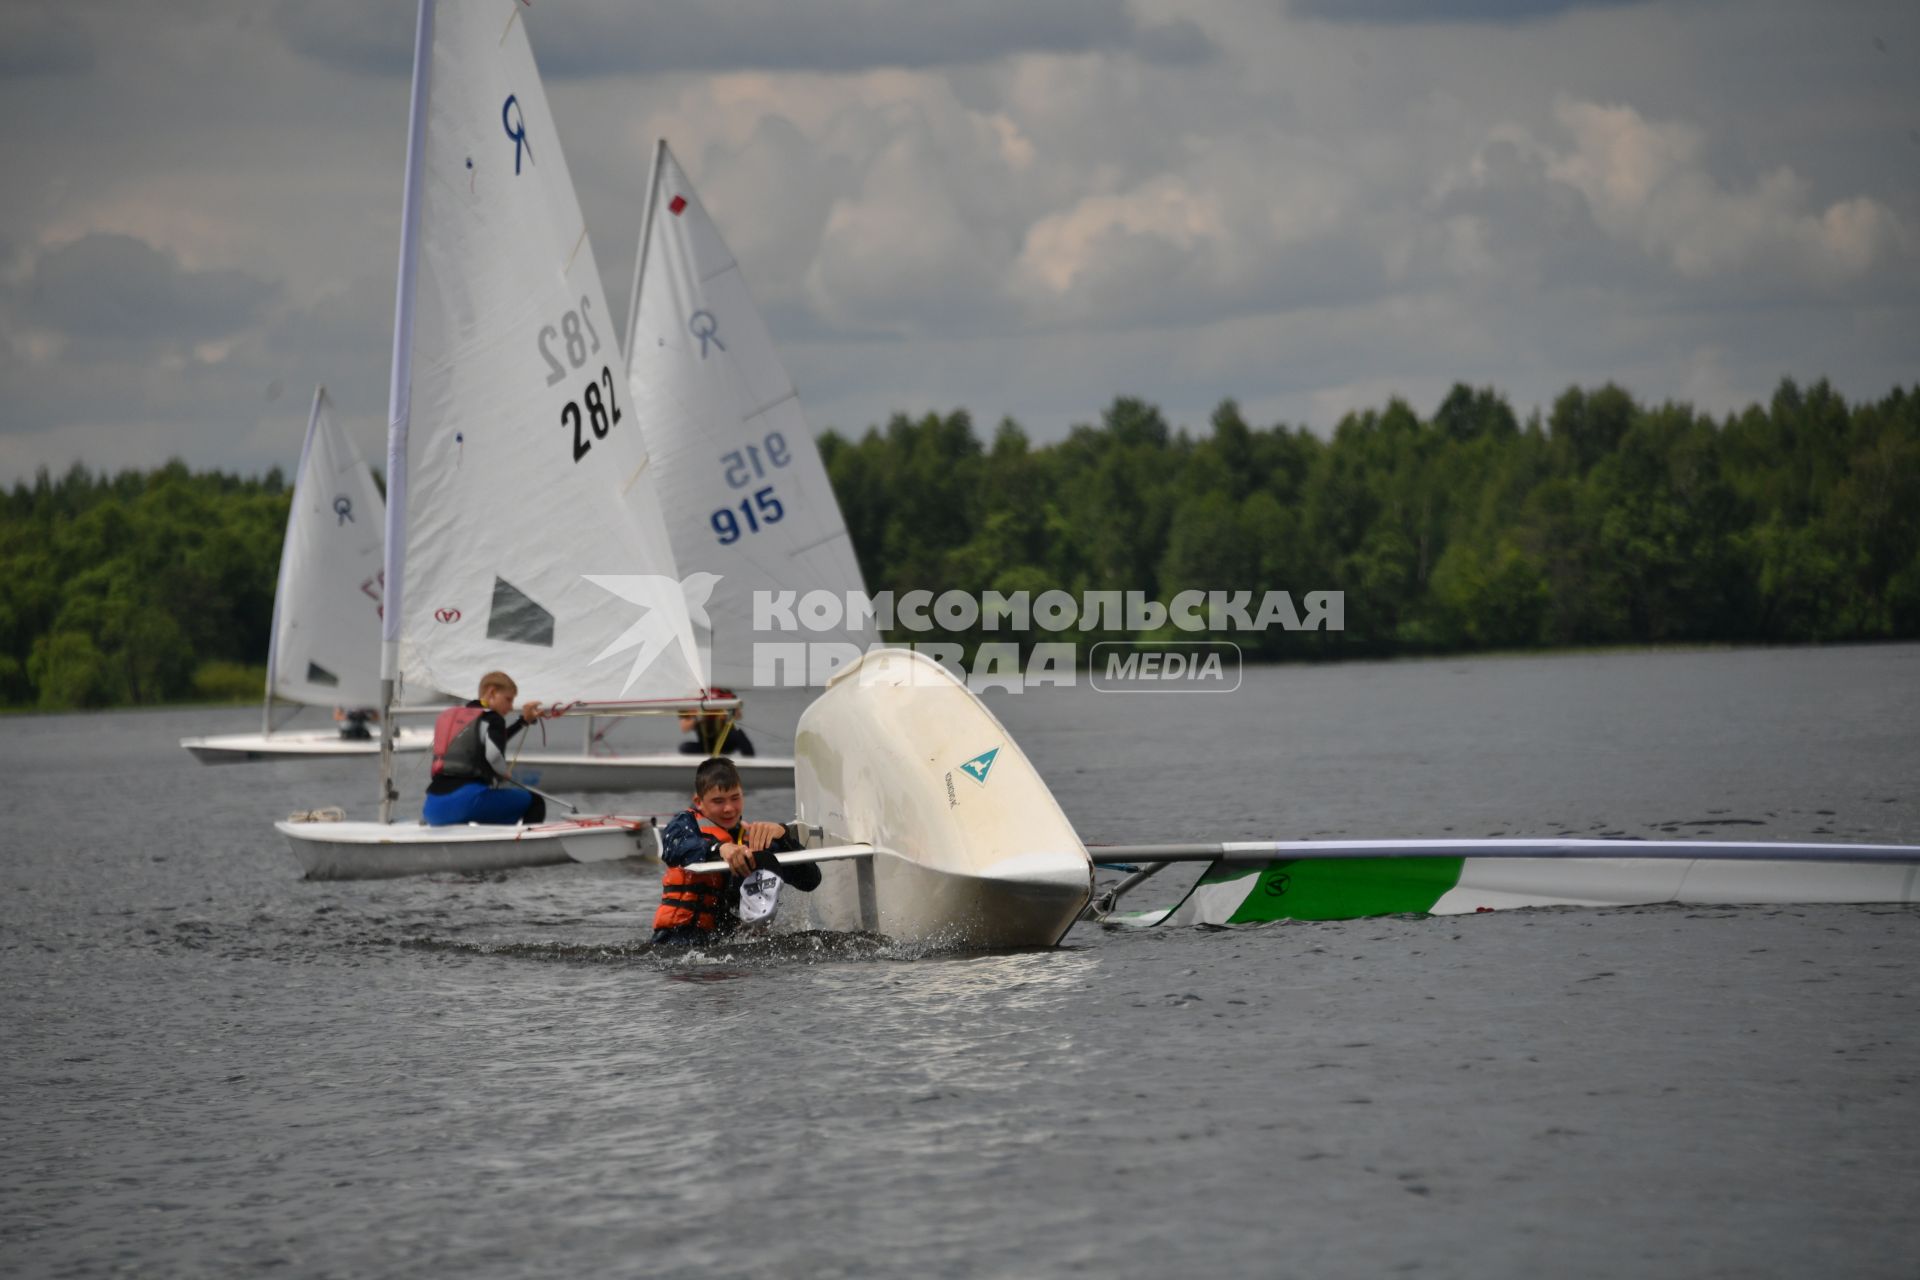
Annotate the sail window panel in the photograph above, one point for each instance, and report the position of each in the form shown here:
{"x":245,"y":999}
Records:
{"x":317,"y":674}
{"x":516,"y":618}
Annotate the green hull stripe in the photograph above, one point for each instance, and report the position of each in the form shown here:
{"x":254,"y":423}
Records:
{"x":1340,"y":888}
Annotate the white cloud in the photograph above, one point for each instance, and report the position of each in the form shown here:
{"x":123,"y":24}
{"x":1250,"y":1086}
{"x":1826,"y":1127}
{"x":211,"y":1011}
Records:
{"x":1645,"y":183}
{"x":1108,"y":234}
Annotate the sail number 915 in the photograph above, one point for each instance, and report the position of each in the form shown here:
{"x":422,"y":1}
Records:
{"x":754,"y":461}
{"x":763,"y":509}
{"x":742,"y":467}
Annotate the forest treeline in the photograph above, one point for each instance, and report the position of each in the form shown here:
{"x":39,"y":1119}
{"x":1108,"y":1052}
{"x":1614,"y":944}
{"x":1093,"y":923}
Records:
{"x":1603,"y":522}
{"x":138,"y":587}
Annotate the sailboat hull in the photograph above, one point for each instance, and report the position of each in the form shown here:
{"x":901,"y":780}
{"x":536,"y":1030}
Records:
{"x":376,"y":850}
{"x":1343,"y":888}
{"x":907,"y":900}
{"x":316,"y":744}
{"x":970,"y":848}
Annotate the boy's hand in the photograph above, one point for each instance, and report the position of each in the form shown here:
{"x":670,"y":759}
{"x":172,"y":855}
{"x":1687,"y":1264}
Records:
{"x":530,"y":712}
{"x":740,"y":859}
{"x":758,"y":835}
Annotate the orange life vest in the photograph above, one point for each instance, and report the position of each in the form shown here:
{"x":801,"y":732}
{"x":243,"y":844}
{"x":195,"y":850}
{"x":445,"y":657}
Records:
{"x":689,"y":899}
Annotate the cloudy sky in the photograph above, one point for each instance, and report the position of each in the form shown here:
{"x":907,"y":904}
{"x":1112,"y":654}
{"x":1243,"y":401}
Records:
{"x":1018,"y":207}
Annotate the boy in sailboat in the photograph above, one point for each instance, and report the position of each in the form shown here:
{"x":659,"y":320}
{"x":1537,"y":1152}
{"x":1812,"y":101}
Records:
{"x":355,"y":723}
{"x":697,"y":908}
{"x":470,"y":774}
{"x":715,"y":732}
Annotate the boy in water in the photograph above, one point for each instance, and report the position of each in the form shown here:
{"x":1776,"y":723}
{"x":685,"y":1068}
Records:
{"x":696,"y":908}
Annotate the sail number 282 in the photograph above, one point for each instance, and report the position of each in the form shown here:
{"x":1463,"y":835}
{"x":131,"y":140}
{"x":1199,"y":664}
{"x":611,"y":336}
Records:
{"x":601,"y":412}
{"x":575,"y":337}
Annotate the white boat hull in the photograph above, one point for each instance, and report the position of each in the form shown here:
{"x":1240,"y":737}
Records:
{"x":1333,"y":880}
{"x":315,"y":744}
{"x":970,"y":848}
{"x":378,"y":850}
{"x":894,"y":895}
{"x":657,"y":771}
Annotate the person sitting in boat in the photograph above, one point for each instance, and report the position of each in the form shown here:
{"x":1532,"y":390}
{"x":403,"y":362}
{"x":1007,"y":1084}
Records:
{"x":471,"y":781}
{"x":354,"y":722}
{"x":696,"y":908}
{"x":715,"y":732}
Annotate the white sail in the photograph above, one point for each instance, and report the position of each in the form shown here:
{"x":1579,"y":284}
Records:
{"x":745,"y":493}
{"x":326,"y":609}
{"x":533,"y":540}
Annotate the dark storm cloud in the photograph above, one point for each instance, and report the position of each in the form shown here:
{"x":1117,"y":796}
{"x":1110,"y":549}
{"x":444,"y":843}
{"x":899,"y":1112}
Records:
{"x":1400,"y":12}
{"x":116,"y":288}
{"x":42,"y":43}
{"x":763,"y":35}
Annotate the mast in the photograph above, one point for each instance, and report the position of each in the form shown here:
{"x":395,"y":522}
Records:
{"x":703,"y":670}
{"x":640,"y":258}
{"x":286,"y":549}
{"x":400,"y":403}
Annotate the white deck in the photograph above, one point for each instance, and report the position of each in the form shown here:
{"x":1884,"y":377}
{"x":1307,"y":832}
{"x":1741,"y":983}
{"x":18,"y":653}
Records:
{"x":377,"y":850}
{"x":319,"y":744}
{"x":653,"y":771}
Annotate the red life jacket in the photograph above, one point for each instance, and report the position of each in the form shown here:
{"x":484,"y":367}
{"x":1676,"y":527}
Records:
{"x":458,"y":750}
{"x":689,"y":899}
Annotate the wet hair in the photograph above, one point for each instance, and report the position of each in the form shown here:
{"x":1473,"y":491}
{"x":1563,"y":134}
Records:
{"x":715,"y":774}
{"x":498,"y":680}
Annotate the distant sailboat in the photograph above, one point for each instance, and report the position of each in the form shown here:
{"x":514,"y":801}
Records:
{"x":748,"y":505}
{"x":324,"y":649}
{"x":523,"y":528}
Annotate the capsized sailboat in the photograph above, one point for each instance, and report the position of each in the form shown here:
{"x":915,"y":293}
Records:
{"x":929,"y":823}
{"x":748,"y":505}
{"x":523,"y":531}
{"x":324,"y":646}
{"x":932,"y":828}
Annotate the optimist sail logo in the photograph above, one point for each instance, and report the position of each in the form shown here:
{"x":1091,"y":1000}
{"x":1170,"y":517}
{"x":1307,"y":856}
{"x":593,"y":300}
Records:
{"x":978,"y":767}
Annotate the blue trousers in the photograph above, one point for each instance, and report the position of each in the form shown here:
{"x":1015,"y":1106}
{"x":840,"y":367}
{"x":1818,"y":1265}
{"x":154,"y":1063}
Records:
{"x":477,"y":802}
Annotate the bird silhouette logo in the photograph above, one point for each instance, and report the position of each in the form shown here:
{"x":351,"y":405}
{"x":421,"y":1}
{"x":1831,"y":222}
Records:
{"x":664,"y":602}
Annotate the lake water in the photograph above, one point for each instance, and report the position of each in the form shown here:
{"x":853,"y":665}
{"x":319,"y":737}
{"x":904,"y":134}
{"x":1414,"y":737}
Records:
{"x":209,"y":1066}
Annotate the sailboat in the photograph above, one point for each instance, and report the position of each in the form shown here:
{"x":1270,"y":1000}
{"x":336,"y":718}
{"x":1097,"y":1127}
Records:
{"x":523,"y":531}
{"x":749,"y":508}
{"x":324,"y":645}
